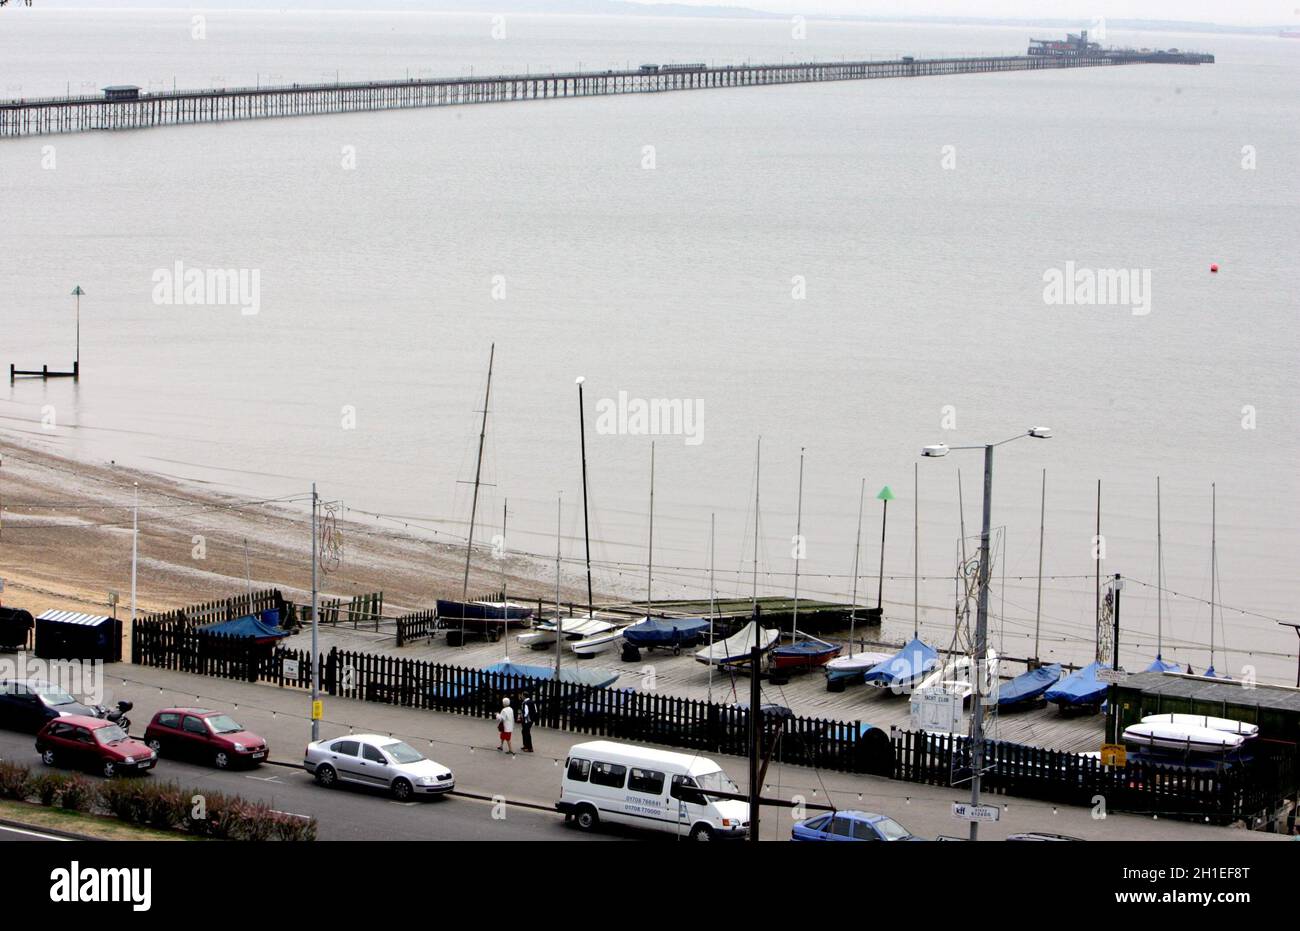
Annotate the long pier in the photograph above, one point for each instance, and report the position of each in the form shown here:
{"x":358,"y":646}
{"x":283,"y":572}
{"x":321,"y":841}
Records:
{"x":126,"y":108}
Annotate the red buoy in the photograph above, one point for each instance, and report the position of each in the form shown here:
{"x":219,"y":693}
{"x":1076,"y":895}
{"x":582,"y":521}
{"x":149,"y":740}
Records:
{"x":1214,"y":267}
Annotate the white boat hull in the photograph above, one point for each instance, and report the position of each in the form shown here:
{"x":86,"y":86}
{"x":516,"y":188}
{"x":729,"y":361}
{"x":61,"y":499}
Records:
{"x":1227,"y":725}
{"x":858,"y":663}
{"x":574,"y":628}
{"x":599,"y":643}
{"x":1182,"y":737}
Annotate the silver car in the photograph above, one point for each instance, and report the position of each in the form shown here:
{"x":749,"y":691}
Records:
{"x":375,"y":760}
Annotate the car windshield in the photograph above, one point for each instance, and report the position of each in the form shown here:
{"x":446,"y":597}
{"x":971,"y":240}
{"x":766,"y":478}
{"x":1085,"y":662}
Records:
{"x":53,"y":696}
{"x":717,"y":781}
{"x":890,"y":829}
{"x":402,"y":753}
{"x":223,"y":724}
{"x":109,"y":735}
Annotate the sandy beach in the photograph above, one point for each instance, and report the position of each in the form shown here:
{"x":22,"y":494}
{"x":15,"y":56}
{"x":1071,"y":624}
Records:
{"x":65,"y":542}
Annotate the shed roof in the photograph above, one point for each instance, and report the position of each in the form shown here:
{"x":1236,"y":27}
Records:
{"x":1199,"y":688}
{"x":73,"y":617}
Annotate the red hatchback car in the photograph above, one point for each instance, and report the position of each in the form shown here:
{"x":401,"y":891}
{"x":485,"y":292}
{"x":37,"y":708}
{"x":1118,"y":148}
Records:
{"x":211,"y":737}
{"x":92,"y":743}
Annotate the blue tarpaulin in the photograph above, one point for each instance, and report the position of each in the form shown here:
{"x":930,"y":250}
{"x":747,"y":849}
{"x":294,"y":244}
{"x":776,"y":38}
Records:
{"x":1029,"y":685}
{"x":250,"y":626}
{"x":1079,"y":688}
{"x":906,"y":667}
{"x":581,"y":675}
{"x":1162,"y":665}
{"x":667,"y":632}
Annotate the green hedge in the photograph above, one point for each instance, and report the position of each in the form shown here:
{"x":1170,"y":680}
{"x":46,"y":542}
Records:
{"x":162,"y":805}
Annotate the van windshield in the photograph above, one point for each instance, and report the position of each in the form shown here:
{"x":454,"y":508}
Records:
{"x":717,"y":781}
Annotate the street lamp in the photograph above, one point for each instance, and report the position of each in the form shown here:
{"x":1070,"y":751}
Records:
{"x":982,"y":612}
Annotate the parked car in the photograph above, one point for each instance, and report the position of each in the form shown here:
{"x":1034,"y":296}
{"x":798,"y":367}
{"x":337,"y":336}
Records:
{"x":206,"y":736}
{"x":92,"y":743}
{"x":27,"y":704}
{"x":379,"y":762}
{"x":850,"y":826}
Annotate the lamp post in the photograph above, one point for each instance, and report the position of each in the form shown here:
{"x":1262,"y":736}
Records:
{"x":982,"y":612}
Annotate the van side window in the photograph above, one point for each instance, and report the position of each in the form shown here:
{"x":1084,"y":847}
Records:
{"x":685,"y":790}
{"x":608,"y":774}
{"x":579,"y":769}
{"x":646,"y":780}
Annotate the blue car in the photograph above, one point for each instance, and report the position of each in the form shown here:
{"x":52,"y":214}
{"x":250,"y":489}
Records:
{"x":850,"y":825}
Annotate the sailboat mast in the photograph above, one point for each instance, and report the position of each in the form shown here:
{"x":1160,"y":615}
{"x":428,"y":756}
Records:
{"x":505,"y":602}
{"x":559,"y":622}
{"x":916,"y":550}
{"x":650,"y":550}
{"x":1160,"y":578}
{"x":473,"y":508}
{"x":712,"y":606}
{"x":1038,"y":610}
{"x":1214,"y":561}
{"x":1096,"y":543}
{"x":857,"y":548}
{"x":758,"y":466}
{"x":798,"y":552}
{"x":586,"y":526}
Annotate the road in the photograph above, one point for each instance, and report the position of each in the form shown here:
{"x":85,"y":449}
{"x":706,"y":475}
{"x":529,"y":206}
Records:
{"x":346,"y":813}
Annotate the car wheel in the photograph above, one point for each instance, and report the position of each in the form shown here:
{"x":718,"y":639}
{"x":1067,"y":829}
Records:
{"x":221,"y":760}
{"x":109,"y":769}
{"x":48,"y":758}
{"x":325,"y":776}
{"x":701,"y":832}
{"x":155,"y":745}
{"x":586,"y":818}
{"x":402,"y":789}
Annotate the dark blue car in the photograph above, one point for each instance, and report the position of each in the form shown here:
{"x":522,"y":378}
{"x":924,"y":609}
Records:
{"x":850,"y":825}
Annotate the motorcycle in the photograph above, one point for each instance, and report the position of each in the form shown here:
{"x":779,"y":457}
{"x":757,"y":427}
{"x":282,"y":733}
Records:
{"x":118,"y":717}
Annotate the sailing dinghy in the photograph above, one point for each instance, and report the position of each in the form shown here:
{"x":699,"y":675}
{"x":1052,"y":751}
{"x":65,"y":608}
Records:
{"x":736,"y":648}
{"x":571,"y":628}
{"x":1227,"y":725}
{"x":1188,"y":738}
{"x":1028,"y":687}
{"x":905,"y":668}
{"x":1079,"y":689}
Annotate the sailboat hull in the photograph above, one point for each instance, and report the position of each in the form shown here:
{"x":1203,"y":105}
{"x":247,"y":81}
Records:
{"x":806,"y":654}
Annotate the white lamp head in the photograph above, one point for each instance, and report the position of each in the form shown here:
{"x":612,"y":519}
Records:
{"x":579,"y":380}
{"x":939,"y":449}
{"x":1042,"y":433}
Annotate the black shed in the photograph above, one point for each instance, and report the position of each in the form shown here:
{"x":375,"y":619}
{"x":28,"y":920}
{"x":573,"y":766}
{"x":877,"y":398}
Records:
{"x":69,"y":635}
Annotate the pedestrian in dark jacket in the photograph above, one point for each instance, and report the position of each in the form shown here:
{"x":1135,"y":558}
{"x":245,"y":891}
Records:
{"x":527,"y":715}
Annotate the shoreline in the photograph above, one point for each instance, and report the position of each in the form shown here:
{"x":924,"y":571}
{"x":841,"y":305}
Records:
{"x":65,"y":543}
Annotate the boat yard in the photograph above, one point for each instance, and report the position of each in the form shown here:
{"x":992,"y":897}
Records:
{"x":683,"y":676}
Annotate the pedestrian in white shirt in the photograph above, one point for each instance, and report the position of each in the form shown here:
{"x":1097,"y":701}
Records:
{"x":505,"y":726}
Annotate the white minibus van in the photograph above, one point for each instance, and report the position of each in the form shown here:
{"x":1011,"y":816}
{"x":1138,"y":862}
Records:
{"x":655,"y":789}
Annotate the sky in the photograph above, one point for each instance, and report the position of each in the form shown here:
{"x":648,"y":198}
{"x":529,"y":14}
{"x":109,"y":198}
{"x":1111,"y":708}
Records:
{"x":1227,"y":12}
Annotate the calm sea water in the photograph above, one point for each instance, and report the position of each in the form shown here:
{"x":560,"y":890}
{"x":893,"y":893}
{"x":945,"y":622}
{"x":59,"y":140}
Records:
{"x":924,"y":290}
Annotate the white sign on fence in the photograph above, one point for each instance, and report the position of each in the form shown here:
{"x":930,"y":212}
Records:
{"x":986,"y":814}
{"x":1112,"y":676}
{"x":936,"y":710}
{"x":291,"y":669}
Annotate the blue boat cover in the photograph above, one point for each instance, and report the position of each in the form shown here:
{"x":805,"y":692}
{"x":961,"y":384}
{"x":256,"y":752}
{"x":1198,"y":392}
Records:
{"x":1211,"y":674}
{"x":581,"y":675}
{"x":1029,"y":685}
{"x":906,"y":666}
{"x":1163,"y":665}
{"x":1079,"y":688}
{"x":807,"y":647}
{"x":250,"y":626}
{"x":666,"y":632}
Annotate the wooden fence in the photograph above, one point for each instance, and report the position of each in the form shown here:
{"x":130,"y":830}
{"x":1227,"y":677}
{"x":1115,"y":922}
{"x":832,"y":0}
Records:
{"x":365,"y":609}
{"x":1248,"y":792}
{"x":227,"y":609}
{"x":416,"y":626}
